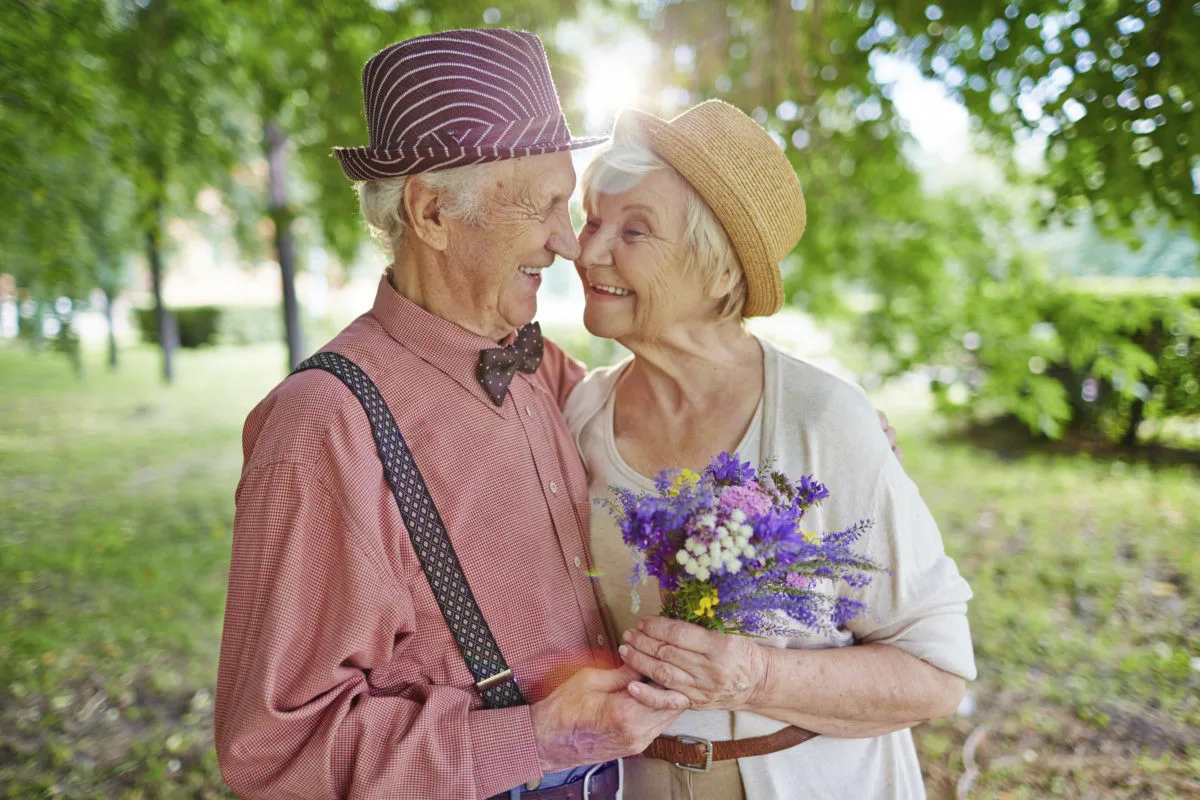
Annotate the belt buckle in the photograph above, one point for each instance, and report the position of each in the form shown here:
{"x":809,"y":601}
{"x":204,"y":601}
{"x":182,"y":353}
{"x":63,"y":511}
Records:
{"x":708,"y":753}
{"x":587,"y":779}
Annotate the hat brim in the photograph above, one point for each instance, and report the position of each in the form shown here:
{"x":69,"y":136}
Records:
{"x":366,"y":163}
{"x":692,"y":160}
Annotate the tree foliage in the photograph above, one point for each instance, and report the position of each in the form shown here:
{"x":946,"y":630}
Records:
{"x":1110,"y":86}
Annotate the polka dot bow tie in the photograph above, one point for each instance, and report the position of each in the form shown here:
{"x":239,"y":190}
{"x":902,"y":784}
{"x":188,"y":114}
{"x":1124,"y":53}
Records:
{"x":497,"y":365}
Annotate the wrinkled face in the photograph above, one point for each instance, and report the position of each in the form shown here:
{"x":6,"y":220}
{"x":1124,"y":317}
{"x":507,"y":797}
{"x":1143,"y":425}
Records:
{"x":527,"y":225}
{"x":633,"y":261}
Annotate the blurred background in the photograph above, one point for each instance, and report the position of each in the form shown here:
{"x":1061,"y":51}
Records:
{"x":1002,"y":248}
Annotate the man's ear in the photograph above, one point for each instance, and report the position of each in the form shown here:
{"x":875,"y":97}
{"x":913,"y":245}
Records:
{"x":423,"y":213}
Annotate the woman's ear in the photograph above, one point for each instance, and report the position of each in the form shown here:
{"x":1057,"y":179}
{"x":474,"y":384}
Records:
{"x":724,"y":284}
{"x":423,"y":213}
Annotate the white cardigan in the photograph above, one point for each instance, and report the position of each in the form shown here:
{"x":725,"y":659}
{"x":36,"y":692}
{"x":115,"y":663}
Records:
{"x":816,"y":423}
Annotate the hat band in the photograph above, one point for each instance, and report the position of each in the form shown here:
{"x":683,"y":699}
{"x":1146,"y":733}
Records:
{"x":471,"y":134}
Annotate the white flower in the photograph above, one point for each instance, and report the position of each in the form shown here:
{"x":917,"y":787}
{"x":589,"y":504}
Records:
{"x":733,"y":565}
{"x":748,"y":551}
{"x":691,"y":568}
{"x":702,"y":573}
{"x":738,"y":516}
{"x":683,"y":556}
{"x":704,"y":560}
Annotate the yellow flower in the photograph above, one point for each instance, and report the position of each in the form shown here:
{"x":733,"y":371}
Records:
{"x":707,"y":605}
{"x":812,"y":537}
{"x":685,"y":479}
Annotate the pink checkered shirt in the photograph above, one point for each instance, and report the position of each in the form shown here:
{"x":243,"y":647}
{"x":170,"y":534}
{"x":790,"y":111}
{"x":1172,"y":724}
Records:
{"x":338,"y":676}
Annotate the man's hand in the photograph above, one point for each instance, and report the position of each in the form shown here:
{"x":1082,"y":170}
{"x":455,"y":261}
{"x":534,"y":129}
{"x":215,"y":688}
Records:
{"x":592,"y":718}
{"x":890,"y":433}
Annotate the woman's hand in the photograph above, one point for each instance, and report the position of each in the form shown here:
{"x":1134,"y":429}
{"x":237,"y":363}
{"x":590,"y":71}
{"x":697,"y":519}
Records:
{"x":713,"y":670}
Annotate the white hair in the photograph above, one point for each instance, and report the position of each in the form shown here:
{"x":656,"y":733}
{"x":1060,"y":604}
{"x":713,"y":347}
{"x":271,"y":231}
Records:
{"x":622,"y":164}
{"x":461,"y":195}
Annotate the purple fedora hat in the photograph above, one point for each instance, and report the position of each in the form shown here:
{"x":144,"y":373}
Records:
{"x":456,"y":98}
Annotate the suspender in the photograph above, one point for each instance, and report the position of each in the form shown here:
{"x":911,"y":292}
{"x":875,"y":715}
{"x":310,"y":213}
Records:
{"x":493,"y":678}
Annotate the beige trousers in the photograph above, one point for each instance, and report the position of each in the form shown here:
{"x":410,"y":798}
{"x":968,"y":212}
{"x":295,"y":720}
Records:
{"x":654,"y":779}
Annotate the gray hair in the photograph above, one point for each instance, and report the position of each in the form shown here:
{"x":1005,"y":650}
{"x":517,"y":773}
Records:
{"x":461,"y":196}
{"x":622,"y":164}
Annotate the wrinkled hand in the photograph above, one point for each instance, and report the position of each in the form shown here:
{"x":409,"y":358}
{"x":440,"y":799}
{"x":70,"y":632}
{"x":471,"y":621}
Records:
{"x":713,"y":670}
{"x":592,"y":718}
{"x":890,"y":433}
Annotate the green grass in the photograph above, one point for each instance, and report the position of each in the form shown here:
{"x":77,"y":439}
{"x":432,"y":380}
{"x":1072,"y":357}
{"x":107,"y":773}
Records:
{"x":115,"y":509}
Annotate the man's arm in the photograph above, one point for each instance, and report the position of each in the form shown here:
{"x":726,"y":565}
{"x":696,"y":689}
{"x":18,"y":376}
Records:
{"x":308,"y":617}
{"x":561,"y":370}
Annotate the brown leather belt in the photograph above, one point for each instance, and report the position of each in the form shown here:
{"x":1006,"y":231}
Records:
{"x":600,"y":785}
{"x":694,"y":753}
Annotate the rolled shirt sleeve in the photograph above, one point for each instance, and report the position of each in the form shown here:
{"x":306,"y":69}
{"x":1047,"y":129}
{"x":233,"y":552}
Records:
{"x":921,"y":606}
{"x":310,"y":613}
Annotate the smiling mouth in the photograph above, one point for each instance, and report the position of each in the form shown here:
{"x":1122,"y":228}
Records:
{"x":611,"y":291}
{"x":532,"y":272}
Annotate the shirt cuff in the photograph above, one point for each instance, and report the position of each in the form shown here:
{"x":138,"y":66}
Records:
{"x":504,"y":748}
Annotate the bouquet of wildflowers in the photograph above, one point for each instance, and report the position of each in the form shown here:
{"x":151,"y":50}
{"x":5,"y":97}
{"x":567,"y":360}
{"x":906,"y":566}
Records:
{"x":730,"y":552}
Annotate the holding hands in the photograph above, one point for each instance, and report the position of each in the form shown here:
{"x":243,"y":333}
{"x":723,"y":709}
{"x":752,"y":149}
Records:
{"x":713,"y":670}
{"x":592,"y":718}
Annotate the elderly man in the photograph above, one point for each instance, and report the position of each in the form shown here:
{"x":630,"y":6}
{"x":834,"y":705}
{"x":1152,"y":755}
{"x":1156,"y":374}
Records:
{"x":411,"y":609}
{"x":364,"y":634}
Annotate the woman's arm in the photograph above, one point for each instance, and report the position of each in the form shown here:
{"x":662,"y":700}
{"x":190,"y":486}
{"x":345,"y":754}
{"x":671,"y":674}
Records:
{"x":854,"y":692}
{"x":850,"y":692}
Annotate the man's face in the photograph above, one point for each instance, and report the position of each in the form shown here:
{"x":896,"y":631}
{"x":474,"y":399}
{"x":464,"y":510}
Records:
{"x":527,"y":225}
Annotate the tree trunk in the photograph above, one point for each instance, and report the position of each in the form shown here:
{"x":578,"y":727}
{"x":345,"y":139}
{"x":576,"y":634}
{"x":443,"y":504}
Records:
{"x":109,"y":298}
{"x":285,"y":245}
{"x":162,"y":318}
{"x":1136,"y":415}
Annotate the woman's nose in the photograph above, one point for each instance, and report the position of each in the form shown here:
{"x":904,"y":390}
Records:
{"x":593,"y":251}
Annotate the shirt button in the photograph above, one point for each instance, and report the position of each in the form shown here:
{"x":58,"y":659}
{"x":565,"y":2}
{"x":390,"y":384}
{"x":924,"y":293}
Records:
{"x":528,"y":411}
{"x":553,"y":487}
{"x":600,"y":638}
{"x":578,"y":563}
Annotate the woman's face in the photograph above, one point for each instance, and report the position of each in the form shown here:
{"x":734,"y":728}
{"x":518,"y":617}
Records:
{"x":633,"y":261}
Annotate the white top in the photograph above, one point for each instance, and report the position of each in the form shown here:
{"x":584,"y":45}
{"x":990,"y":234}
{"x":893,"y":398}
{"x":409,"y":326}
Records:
{"x":808,"y":421}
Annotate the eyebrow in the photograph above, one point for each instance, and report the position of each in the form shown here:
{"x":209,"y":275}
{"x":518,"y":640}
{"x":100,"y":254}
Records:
{"x":641,"y":207}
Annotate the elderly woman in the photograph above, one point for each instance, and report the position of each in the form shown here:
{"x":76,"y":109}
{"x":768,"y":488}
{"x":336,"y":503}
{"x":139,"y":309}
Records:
{"x":686,"y":223}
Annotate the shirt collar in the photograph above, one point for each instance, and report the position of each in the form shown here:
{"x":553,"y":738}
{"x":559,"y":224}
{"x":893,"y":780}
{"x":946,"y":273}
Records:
{"x":450,"y":348}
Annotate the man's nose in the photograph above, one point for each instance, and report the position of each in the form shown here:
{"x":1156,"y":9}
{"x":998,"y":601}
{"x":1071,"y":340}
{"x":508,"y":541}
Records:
{"x":563,"y":240}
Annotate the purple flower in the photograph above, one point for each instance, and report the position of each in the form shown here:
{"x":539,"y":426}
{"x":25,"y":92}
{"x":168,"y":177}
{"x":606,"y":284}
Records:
{"x":727,"y":470}
{"x":810,"y":491}
{"x":747,"y":499}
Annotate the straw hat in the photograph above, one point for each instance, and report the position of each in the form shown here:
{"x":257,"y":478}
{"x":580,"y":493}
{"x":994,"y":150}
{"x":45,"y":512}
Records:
{"x":746,"y":180}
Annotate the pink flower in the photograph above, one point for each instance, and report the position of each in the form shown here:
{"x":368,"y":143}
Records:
{"x":747,"y":499}
{"x":797,"y":581}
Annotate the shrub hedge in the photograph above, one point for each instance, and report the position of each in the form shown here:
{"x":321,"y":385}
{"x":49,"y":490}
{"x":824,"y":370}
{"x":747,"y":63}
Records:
{"x":1091,"y":358}
{"x":205,"y":325}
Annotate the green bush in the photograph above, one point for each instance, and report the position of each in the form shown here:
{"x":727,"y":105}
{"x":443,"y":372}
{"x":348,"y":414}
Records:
{"x":196,"y":326}
{"x":1094,"y":360}
{"x":234,"y":325}
{"x":241,"y":325}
